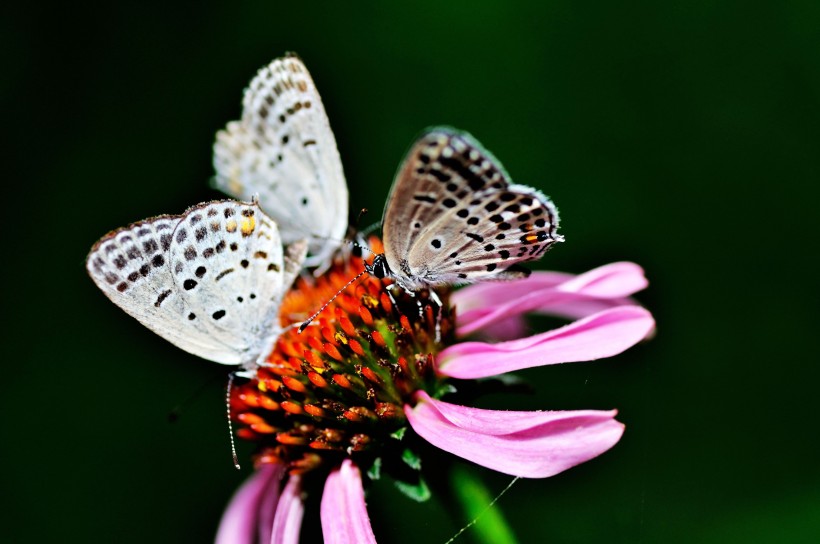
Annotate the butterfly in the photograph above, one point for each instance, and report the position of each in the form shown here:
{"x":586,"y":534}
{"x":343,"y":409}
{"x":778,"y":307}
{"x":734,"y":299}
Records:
{"x":453,"y":217}
{"x":210,"y":281}
{"x":283,"y":150}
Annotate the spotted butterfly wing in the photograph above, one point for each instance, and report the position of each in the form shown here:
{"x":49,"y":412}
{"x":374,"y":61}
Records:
{"x":209,"y":281}
{"x":454,"y":217}
{"x":283,"y":150}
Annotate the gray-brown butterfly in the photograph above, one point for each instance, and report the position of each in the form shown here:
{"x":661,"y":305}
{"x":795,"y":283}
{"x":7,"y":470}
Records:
{"x":454,"y":217}
{"x":209,"y":281}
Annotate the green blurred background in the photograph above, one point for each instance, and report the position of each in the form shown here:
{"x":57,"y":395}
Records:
{"x":680,"y":135}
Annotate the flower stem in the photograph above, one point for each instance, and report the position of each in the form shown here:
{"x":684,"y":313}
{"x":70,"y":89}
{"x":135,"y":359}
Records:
{"x":478,"y":503}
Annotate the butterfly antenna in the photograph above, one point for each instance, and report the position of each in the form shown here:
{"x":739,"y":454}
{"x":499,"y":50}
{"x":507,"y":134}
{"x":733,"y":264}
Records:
{"x":344,"y":241}
{"x":361,"y":246}
{"x":362,"y":213}
{"x":305,"y":324}
{"x":370,"y":228}
{"x":230,"y":423}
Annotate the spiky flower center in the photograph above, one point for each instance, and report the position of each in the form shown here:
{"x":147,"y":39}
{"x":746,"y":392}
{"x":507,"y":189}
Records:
{"x":338,"y":388}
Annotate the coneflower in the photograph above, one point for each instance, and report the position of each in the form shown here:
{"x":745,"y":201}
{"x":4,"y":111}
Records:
{"x":344,"y":394}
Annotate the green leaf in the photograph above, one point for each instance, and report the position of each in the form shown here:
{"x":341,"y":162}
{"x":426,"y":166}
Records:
{"x":398,"y":435}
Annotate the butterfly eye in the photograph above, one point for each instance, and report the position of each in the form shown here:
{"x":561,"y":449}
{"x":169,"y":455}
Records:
{"x":379,"y":267}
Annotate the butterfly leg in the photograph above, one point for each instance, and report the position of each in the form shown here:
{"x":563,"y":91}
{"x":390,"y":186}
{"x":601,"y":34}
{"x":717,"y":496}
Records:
{"x":432,"y":297}
{"x":409,"y":292}
{"x":389,"y":291}
{"x":439,"y":305}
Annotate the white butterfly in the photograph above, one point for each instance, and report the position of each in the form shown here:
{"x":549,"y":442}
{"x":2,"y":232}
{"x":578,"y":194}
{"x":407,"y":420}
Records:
{"x":283,"y":150}
{"x":209,"y":281}
{"x":454,"y":217}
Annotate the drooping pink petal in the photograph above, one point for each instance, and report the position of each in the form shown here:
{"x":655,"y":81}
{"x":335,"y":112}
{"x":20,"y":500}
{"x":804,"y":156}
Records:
{"x":527,"y":444}
{"x":288,"y":520}
{"x":604,"y":334}
{"x":482,"y":306}
{"x":265,"y":511}
{"x":343,"y":511}
{"x":240,"y":522}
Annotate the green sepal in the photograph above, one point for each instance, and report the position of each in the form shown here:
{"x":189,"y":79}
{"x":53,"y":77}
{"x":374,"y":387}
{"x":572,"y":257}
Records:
{"x":375,"y":470}
{"x":411,"y":459}
{"x":418,"y":492}
{"x":442,"y":389}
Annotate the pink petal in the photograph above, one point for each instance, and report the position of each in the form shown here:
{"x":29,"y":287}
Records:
{"x":240,"y":522}
{"x":604,"y":334}
{"x":288,"y":520}
{"x":505,"y":328}
{"x":527,"y":444}
{"x":615,"y":280}
{"x":343,"y":511}
{"x":563,"y":295}
{"x":479,"y":294}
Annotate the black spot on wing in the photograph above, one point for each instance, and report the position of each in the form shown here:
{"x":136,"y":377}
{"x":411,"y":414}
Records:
{"x":161,"y":298}
{"x":223,"y":274}
{"x":475,"y":181}
{"x":150,"y":246}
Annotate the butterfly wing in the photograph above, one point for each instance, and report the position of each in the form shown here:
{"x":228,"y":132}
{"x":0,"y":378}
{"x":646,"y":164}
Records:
{"x":454,"y":217}
{"x":209,"y":281}
{"x":283,"y":150}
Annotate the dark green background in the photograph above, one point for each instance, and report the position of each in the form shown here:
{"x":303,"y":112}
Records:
{"x":680,"y":135}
